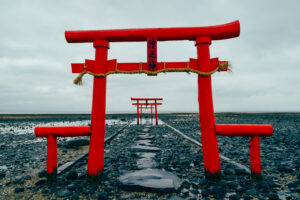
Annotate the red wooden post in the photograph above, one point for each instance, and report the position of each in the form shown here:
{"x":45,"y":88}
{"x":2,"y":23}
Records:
{"x":137,"y":111}
{"x":141,"y":111}
{"x":206,"y":111}
{"x":255,"y":155}
{"x":51,"y":155}
{"x":96,"y":151}
{"x":156,"y":113}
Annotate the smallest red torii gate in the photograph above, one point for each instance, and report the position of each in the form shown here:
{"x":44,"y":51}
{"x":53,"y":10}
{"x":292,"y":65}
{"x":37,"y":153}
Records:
{"x":143,"y":103}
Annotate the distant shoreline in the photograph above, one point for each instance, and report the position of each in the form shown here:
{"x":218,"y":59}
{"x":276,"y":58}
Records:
{"x":86,"y":116}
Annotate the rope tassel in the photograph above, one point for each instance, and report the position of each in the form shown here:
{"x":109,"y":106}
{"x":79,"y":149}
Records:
{"x":78,"y":79}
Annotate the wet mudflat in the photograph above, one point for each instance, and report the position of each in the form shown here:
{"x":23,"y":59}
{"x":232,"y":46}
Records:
{"x":154,"y":162}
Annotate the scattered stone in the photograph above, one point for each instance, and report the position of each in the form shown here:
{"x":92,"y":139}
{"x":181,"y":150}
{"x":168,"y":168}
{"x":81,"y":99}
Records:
{"x":42,"y":173}
{"x":63,"y":193}
{"x":234,"y":197}
{"x":40,"y":182}
{"x":150,"y":180}
{"x":273,"y":196}
{"x":2,"y":175}
{"x":19,"y":189}
{"x":102,"y":196}
{"x":293,"y":183}
{"x":251,"y":192}
{"x":239,"y":171}
{"x":216,"y":189}
{"x":194,"y":191}
{"x":75,"y":196}
{"x":232,"y":185}
{"x":72,"y":175}
{"x":263,"y":184}
{"x":204,"y":192}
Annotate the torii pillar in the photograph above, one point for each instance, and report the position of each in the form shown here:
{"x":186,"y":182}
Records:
{"x":206,"y":111}
{"x":96,"y":148}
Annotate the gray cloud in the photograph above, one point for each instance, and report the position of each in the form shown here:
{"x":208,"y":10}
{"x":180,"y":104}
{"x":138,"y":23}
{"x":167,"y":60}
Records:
{"x":35,"y":58}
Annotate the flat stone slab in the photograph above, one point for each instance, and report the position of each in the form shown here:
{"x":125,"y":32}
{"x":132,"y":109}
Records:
{"x":153,"y":180}
{"x":144,"y":163}
{"x":144,"y":142}
{"x":145,"y":137}
{"x":140,"y":148}
{"x":145,"y":154}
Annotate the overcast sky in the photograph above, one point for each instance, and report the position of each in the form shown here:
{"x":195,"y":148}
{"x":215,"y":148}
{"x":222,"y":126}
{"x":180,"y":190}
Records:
{"x":35,"y":59}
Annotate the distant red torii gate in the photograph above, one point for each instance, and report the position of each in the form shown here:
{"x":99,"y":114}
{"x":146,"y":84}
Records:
{"x":146,"y":101}
{"x":204,"y":66}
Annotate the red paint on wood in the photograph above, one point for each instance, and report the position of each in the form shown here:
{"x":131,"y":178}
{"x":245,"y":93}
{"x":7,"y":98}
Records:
{"x":206,"y":110}
{"x":149,"y":104}
{"x":156,"y":119}
{"x":218,"y":32}
{"x":96,"y":151}
{"x":255,"y":155}
{"x":51,"y":155}
{"x":144,"y":99}
{"x":244,"y":129}
{"x":137,"y":113}
{"x":63,"y":131}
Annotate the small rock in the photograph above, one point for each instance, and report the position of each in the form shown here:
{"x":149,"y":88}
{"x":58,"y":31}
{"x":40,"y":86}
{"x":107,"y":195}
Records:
{"x":71,"y":186}
{"x":19,"y":189}
{"x":204,"y":192}
{"x":234,"y":197}
{"x":239,"y":171}
{"x":45,"y":191}
{"x":194,"y":191}
{"x":72,"y":175}
{"x":2,"y":175}
{"x":27,"y":177}
{"x":63,"y":193}
{"x":263,"y":184}
{"x":241,"y":190}
{"x":232,"y":185}
{"x":75,"y":196}
{"x":293,"y":183}
{"x":215,"y":189}
{"x":40,"y":182}
{"x":273,"y":196}
{"x":251,"y":192}
{"x":42,"y":173}
{"x":102,"y":196}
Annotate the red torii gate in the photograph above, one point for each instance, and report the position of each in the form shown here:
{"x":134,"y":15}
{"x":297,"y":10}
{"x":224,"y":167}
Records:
{"x":146,"y":101}
{"x":204,"y":66}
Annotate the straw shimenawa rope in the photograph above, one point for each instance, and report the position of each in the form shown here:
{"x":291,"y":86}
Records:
{"x":222,"y":67}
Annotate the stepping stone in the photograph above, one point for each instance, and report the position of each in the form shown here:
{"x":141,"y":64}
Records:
{"x":140,"y":148}
{"x":145,"y":155}
{"x":144,"y":163}
{"x":144,"y":142}
{"x":153,"y":180}
{"x":145,"y":136}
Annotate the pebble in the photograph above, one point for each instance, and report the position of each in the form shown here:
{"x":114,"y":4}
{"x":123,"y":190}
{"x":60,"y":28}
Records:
{"x":102,"y":196}
{"x":72,"y":175}
{"x":234,"y":197}
{"x":63,"y":193}
{"x":42,"y":173}
{"x":19,"y":189}
{"x":40,"y":182}
{"x":273,"y":196}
